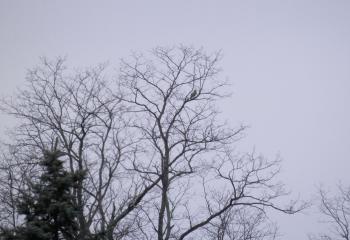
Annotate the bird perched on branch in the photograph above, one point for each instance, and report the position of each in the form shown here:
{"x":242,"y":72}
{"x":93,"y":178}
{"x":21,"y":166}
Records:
{"x":193,"y":94}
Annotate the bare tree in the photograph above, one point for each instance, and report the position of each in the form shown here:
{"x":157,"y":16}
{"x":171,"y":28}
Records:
{"x":80,"y":110}
{"x":12,"y":178}
{"x":8,"y":217}
{"x":241,"y":224}
{"x":173,"y":96}
{"x":156,"y":155}
{"x":337,"y":211}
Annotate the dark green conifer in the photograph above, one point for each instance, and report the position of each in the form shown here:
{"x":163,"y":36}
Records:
{"x":48,"y":206}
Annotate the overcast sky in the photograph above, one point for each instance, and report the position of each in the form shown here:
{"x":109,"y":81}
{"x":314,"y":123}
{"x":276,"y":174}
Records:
{"x":289,"y":62}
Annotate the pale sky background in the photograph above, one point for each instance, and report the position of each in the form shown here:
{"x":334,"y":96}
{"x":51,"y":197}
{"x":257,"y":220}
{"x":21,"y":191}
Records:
{"x":289,"y":62}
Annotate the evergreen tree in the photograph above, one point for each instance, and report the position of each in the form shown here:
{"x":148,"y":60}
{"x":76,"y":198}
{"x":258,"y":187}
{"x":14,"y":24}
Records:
{"x":48,"y":206}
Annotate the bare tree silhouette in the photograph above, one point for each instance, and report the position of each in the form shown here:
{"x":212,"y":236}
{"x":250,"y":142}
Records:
{"x":337,"y":211}
{"x":158,"y":159}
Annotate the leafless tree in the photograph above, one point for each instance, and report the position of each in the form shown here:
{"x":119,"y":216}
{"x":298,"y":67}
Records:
{"x":241,"y":224}
{"x":337,"y":211}
{"x":80,"y":110}
{"x":8,"y":216}
{"x":156,"y":155}
{"x":173,"y":96}
{"x":12,"y":179}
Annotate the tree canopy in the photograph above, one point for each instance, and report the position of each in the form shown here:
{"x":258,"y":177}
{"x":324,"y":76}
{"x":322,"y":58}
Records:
{"x":158,"y":160}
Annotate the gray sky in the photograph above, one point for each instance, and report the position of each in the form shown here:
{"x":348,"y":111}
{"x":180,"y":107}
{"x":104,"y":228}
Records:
{"x":289,"y":62}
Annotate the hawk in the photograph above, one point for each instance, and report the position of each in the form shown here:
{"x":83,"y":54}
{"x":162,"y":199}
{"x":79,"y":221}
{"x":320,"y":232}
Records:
{"x":193,"y":94}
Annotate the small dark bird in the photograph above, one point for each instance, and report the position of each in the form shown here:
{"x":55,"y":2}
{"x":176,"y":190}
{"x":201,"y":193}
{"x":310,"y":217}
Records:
{"x":193,"y":94}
